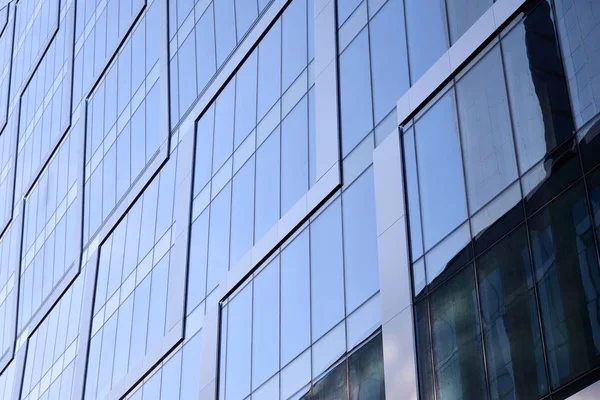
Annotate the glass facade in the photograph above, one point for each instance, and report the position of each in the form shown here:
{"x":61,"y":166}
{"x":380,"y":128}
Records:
{"x":197,"y":199}
{"x":503,"y":244}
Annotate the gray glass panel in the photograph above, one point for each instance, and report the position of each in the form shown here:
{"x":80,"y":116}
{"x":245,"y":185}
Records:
{"x":223,"y":138}
{"x":204,"y":149}
{"x":218,"y":247}
{"x":412,"y":194}
{"x":443,"y":203}
{"x":537,"y":87}
{"x":294,"y":155}
{"x":510,"y":320}
{"x":294,"y":42}
{"x":355,"y":92}
{"x":267,"y":185}
{"x":360,"y":243}
{"x":224,"y":28}
{"x":198,"y":261}
{"x":462,"y":14}
{"x":246,"y":12}
{"x":239,"y":333}
{"x":566,"y":269}
{"x":205,"y":47}
{"x":242,"y":212}
{"x":327,"y":288}
{"x":269,"y":70}
{"x":579,"y":35}
{"x":245,"y":99}
{"x":426,"y":33}
{"x":365,"y":371}
{"x":265,"y":324}
{"x":488,"y":148}
{"x":389,"y":61}
{"x":456,"y":336}
{"x":295,"y":298}
{"x":424,"y":353}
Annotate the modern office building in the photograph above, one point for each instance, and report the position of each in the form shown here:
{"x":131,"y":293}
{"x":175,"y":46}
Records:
{"x":299,"y":199}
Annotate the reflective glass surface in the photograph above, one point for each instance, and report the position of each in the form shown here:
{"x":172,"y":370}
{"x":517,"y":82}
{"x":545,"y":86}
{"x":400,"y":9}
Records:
{"x":523,"y":325}
{"x":202,"y":37}
{"x":427,"y":36}
{"x":462,"y":14}
{"x":356,"y":104}
{"x":296,"y":299}
{"x":578,"y":26}
{"x":442,"y":189}
{"x":487,"y":141}
{"x":511,"y":328}
{"x":566,"y":270}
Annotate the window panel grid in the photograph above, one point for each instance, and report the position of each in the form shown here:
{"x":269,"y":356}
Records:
{"x":6,"y":39}
{"x":129,"y":316}
{"x":530,"y":244}
{"x":202,"y":37}
{"x":101,"y":25}
{"x":36,"y":22}
{"x":52,"y":348}
{"x":8,"y":280}
{"x":122,"y":125}
{"x":44,"y":114}
{"x":50,"y":233}
{"x":305,"y":296}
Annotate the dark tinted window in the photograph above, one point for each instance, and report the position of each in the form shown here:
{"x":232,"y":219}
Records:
{"x":457,"y":351}
{"x":510,"y":320}
{"x":566,"y":269}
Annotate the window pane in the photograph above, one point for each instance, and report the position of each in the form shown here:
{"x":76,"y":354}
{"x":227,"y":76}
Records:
{"x":204,"y":145}
{"x":579,"y":35}
{"x":423,"y":343}
{"x":224,"y":112}
{"x":269,"y":70}
{"x":366,"y":371}
{"x":239,"y":331}
{"x":295,"y":298}
{"x":225,"y":28}
{"x":205,"y":47}
{"x":245,"y":99}
{"x":537,"y":87}
{"x":294,"y":156}
{"x":242,"y":212}
{"x":360,"y":241}
{"x":547,"y":179}
{"x":246,"y":12}
{"x":388,"y":58}
{"x":440,"y":171}
{"x":510,"y":319}
{"x":345,"y":9}
{"x":190,"y":372}
{"x":462,"y":14}
{"x":355,"y":92}
{"x":412,"y":189}
{"x":218,"y":250}
{"x":198,"y":261}
{"x":566,"y":269}
{"x":294,"y":42}
{"x":265,"y":324}
{"x":187,"y":73}
{"x":171,"y":376}
{"x":427,"y":36}
{"x":488,"y":148}
{"x":457,"y":351}
{"x":327,"y":274}
{"x":594,"y":188}
{"x":332,"y":386}
{"x":267,"y":185}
